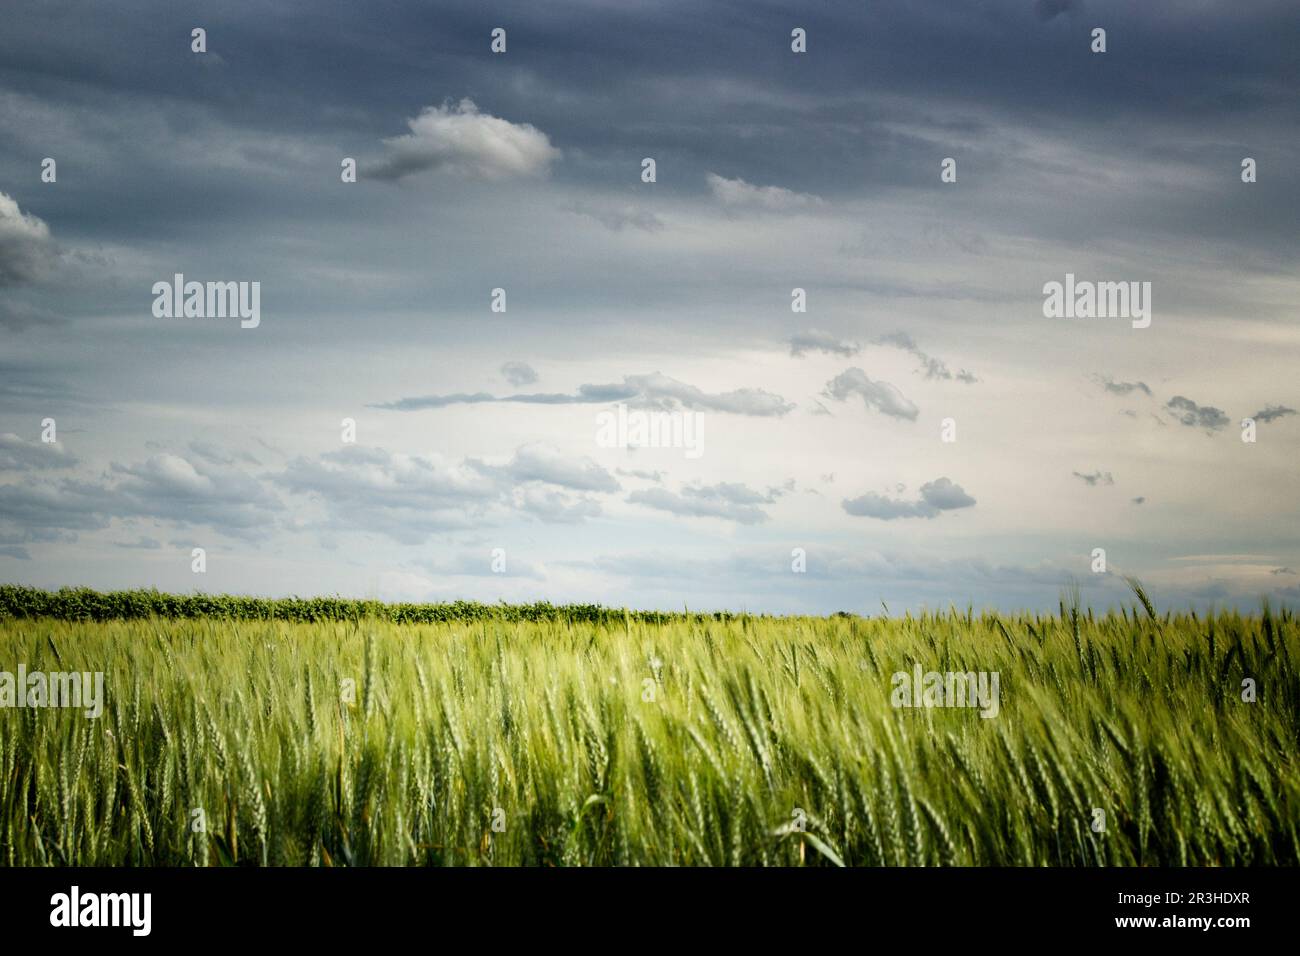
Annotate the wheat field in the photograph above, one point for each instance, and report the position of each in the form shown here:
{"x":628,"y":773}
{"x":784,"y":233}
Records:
{"x":1121,"y":739}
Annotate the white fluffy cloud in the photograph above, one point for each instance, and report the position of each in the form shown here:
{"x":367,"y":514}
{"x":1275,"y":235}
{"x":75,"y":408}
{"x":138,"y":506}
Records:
{"x":737,"y":192}
{"x":459,"y":139}
{"x":25,"y":249}
{"x":878,"y":395}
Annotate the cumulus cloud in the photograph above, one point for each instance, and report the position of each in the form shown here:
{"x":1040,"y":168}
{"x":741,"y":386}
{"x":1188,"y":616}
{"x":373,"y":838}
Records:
{"x":518,"y":373}
{"x":934,"y":368}
{"x":406,"y":497}
{"x":174,"y":488}
{"x":1095,"y":478}
{"x":410,"y":497}
{"x":730,"y":501}
{"x":944,"y":495}
{"x":555,"y":505}
{"x":17,"y":454}
{"x":654,"y":390}
{"x":542,"y":462}
{"x":881,"y":396}
{"x":874,"y":505}
{"x":936,"y":496}
{"x":813,"y":340}
{"x":740,"y":194}
{"x":459,"y":139}
{"x":26,"y":253}
{"x":165,"y":487}
{"x":1272,"y":412}
{"x":1192,"y":415}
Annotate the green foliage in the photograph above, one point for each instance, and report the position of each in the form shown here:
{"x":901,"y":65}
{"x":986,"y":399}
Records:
{"x":622,"y":740}
{"x":83,"y":604}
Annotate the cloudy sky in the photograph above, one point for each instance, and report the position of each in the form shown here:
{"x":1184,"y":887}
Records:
{"x":522,"y":171}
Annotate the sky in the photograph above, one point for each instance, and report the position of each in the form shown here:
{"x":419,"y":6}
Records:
{"x":833,"y":286}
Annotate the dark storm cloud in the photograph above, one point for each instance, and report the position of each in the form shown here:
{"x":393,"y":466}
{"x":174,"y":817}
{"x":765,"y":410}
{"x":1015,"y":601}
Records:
{"x":704,"y":82}
{"x":169,"y":162}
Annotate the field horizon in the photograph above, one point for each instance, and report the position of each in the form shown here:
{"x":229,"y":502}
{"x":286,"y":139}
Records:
{"x":77,"y":602}
{"x":582,"y":736}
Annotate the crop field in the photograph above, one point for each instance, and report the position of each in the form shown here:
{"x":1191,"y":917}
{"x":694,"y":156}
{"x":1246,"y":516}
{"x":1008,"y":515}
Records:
{"x":555,"y":738}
